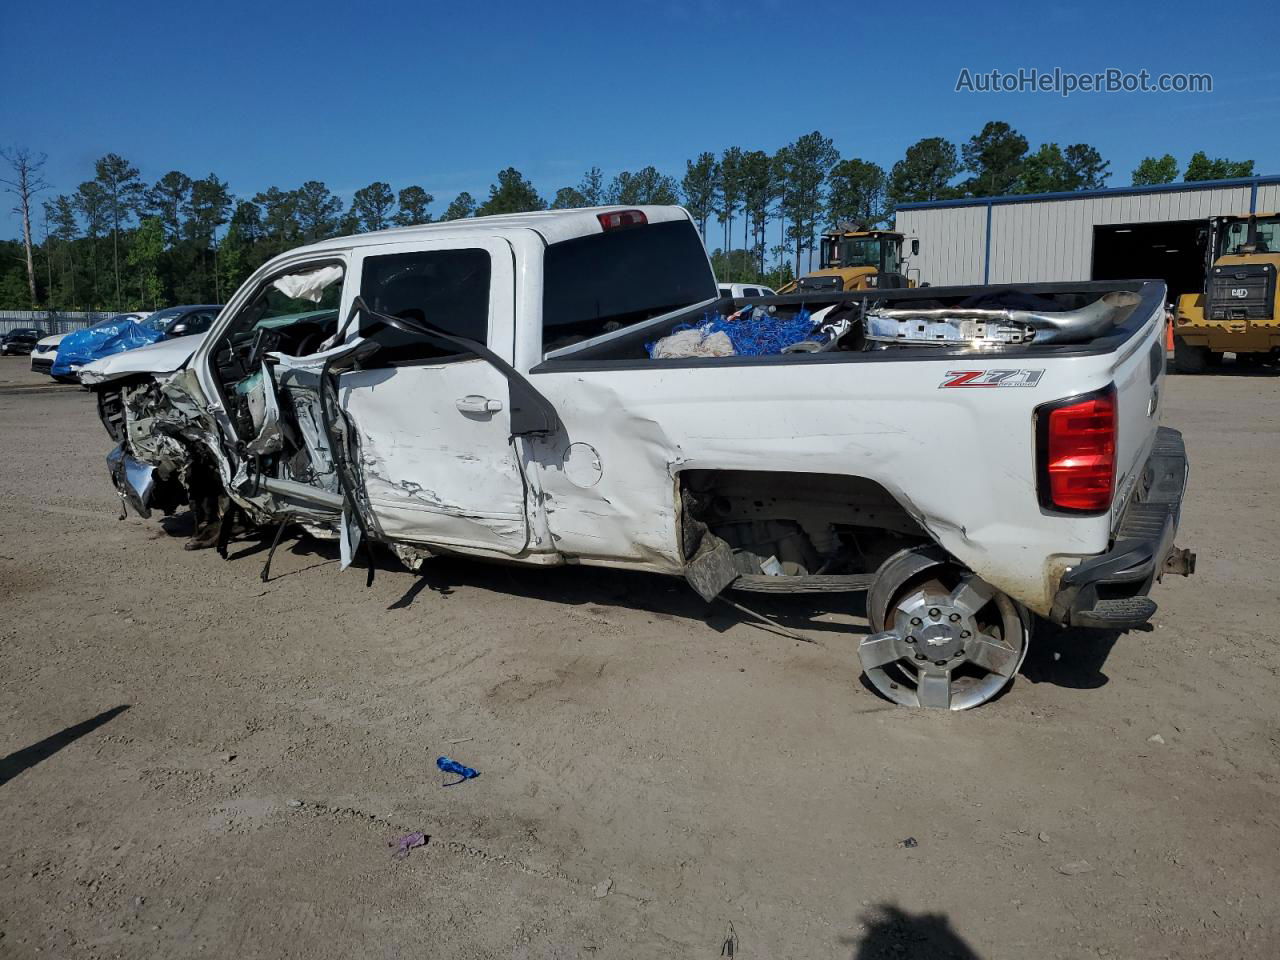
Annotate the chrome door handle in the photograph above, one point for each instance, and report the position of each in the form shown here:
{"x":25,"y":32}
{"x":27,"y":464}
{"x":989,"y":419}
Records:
{"x":478,"y":404}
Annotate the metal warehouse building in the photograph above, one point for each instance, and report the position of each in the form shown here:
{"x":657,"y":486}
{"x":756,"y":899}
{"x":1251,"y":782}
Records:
{"x":1119,"y":233}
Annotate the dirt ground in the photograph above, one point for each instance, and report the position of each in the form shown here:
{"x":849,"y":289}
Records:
{"x":197,"y":763}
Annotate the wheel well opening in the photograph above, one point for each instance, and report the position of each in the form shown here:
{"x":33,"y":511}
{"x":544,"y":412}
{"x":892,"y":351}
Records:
{"x":795,"y":524}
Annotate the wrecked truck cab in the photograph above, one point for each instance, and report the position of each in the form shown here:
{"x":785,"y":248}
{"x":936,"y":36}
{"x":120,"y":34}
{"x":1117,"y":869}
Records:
{"x":969,"y":458}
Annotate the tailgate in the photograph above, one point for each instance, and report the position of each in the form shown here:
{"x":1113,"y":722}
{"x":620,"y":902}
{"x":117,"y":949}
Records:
{"x":1138,"y":374}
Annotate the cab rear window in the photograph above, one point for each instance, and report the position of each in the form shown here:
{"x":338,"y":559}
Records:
{"x":606,"y":281}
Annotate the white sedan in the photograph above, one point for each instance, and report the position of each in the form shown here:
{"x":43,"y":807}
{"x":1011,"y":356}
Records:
{"x":45,"y":352}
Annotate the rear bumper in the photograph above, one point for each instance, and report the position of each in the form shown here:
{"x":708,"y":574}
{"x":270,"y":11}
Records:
{"x":1110,"y":590}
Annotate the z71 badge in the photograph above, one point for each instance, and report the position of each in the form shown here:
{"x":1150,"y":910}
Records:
{"x":991,"y":378}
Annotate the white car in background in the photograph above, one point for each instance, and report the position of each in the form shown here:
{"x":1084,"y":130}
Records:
{"x":45,"y":352}
{"x":736,"y":290}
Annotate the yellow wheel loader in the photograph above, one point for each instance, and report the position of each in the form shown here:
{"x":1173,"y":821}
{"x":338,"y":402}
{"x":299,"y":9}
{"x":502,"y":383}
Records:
{"x":855,"y":258}
{"x":1239,"y":311}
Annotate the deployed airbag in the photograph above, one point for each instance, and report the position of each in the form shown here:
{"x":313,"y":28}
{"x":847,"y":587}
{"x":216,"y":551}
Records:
{"x":310,"y":285}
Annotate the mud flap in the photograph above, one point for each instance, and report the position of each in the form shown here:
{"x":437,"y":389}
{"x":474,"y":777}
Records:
{"x":712,"y":568}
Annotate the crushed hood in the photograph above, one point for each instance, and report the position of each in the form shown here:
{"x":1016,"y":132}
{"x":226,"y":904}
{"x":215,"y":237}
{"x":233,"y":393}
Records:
{"x":163,"y":357}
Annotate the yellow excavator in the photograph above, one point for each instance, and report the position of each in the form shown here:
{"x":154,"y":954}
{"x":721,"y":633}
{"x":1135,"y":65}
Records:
{"x":1239,"y":310}
{"x":853,"y":257}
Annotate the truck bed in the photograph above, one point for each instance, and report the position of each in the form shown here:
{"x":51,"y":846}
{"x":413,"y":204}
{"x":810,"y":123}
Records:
{"x":628,"y":347}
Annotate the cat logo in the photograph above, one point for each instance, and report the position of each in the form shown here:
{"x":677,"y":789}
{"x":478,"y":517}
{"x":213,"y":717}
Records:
{"x":1240,"y":293}
{"x":991,"y":378}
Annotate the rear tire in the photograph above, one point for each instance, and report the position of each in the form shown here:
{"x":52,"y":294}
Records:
{"x":1189,"y":359}
{"x":942,"y":638}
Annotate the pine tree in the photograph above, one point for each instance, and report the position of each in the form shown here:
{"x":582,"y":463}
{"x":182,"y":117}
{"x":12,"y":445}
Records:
{"x":372,"y":206}
{"x":462,"y":207}
{"x":511,"y":194}
{"x":567,"y":198}
{"x":924,"y":173}
{"x":805,"y":166}
{"x":857,"y":192}
{"x":730,"y":193}
{"x":169,"y":199}
{"x":644,"y":186}
{"x":122,"y":191}
{"x":413,"y":207}
{"x":994,"y":157}
{"x":700,"y":186}
{"x":592,"y":187}
{"x":317,"y":211}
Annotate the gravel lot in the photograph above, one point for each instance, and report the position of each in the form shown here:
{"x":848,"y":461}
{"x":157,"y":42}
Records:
{"x":197,"y":763}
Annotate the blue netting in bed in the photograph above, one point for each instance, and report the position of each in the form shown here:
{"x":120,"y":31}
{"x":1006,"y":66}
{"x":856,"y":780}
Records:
{"x":752,"y":331}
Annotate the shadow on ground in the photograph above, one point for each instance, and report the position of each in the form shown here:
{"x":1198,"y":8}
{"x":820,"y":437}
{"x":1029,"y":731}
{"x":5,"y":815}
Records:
{"x":20,"y":760}
{"x":1064,"y":657}
{"x":654,"y":594}
{"x":895,"y":934}
{"x":1070,"y":657}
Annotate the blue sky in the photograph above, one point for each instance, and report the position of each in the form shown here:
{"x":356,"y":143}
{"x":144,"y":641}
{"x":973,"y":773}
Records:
{"x":444,"y":95}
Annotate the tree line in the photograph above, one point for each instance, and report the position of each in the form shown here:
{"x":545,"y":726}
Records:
{"x":116,"y":242}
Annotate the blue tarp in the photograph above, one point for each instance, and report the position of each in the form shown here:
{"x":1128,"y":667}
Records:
{"x":102,"y":340}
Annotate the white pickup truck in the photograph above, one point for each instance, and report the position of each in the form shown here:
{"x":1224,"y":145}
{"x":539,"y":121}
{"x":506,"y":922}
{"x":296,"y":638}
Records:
{"x":970,"y":458}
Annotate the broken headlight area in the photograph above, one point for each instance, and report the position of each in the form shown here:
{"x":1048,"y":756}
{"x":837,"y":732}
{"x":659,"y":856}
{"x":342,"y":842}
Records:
{"x":156,"y":464}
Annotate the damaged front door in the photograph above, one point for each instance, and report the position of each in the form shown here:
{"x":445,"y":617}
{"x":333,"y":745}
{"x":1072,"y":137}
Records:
{"x":433,"y":432}
{"x":264,"y":365}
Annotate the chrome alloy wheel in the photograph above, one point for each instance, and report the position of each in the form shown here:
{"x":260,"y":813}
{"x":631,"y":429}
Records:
{"x":942,"y":637}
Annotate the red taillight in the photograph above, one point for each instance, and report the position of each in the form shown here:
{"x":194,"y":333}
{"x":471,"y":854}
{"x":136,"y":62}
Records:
{"x":1077,"y":451}
{"x":622,"y":218}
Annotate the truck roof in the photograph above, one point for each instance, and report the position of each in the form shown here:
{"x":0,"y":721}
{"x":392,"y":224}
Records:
{"x":553,"y":225}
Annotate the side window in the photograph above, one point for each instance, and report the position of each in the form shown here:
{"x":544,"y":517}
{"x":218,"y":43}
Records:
{"x":448,"y":289}
{"x":751,"y":291}
{"x":891,"y":264}
{"x":292,"y":313}
{"x":291,"y":306}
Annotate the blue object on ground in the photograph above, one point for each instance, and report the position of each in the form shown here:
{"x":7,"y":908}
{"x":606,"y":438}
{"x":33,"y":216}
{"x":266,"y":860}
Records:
{"x":754,"y":332}
{"x":453,"y":766}
{"x":112,"y":336}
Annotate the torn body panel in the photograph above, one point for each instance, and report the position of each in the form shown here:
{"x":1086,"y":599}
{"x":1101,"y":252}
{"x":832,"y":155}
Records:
{"x":958,"y":468}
